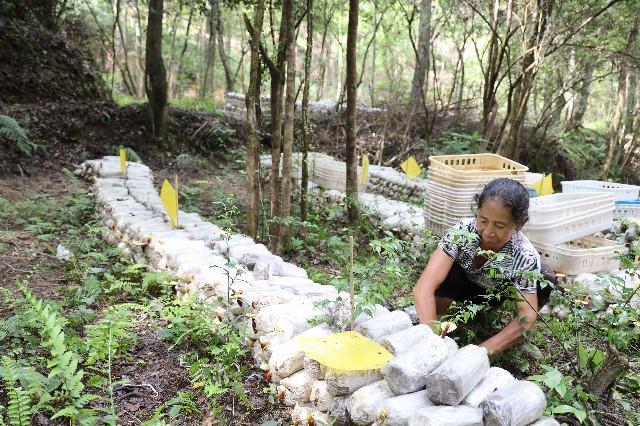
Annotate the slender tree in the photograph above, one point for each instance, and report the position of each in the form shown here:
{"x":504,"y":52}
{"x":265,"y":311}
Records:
{"x":287,"y":139}
{"x":352,"y":90}
{"x":156,"y":74}
{"x":616,"y":132}
{"x":306,"y":127}
{"x":253,"y":145}
{"x":417,"y":100}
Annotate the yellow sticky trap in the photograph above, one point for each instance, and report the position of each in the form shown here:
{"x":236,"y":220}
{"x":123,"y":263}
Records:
{"x":411,"y":167}
{"x":169,"y":199}
{"x":545,"y":185}
{"x":365,"y":169}
{"x":348,"y":351}
{"x":123,"y":161}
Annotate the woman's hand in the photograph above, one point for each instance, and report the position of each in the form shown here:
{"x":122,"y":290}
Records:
{"x":434,"y":274}
{"x":509,"y":335}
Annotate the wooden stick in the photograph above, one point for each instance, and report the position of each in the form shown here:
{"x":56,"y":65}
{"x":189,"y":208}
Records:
{"x":351,"y":289}
{"x":177,"y":197}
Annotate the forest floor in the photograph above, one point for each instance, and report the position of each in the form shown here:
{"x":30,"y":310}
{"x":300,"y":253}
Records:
{"x":71,"y":133}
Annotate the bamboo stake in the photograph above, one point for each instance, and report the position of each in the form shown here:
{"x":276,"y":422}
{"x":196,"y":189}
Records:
{"x":177,"y":196}
{"x":351,"y":289}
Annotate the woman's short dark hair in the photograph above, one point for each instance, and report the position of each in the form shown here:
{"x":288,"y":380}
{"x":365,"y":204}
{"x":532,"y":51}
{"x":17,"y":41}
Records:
{"x":511,"y":193}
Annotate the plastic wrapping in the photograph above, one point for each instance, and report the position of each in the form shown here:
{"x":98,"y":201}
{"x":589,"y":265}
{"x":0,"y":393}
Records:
{"x":408,"y":372}
{"x":398,"y":410}
{"x":518,"y":404}
{"x":365,"y":403}
{"x":383,"y":325}
{"x":496,"y":378}
{"x":458,"y":375}
{"x":447,"y":416}
{"x":403,"y":340}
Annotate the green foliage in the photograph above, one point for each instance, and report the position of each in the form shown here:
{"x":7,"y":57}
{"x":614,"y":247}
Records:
{"x":20,"y":407}
{"x":63,"y":362}
{"x":183,"y":402}
{"x":461,"y":143}
{"x":562,"y":396}
{"x":10,"y":129}
{"x":131,"y":154}
{"x":217,"y":138}
{"x":216,"y":346}
{"x":110,"y":338}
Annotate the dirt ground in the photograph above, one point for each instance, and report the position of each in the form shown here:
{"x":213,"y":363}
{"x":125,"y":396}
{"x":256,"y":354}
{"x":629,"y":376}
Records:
{"x":154,"y":374}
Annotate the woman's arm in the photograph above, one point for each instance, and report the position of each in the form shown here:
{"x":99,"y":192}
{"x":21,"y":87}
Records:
{"x":434,"y":274}
{"x":509,"y":335}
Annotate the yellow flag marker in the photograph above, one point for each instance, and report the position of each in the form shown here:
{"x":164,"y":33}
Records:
{"x":545,"y":185}
{"x":365,"y":169}
{"x":169,"y":197}
{"x":123,"y":161}
{"x":411,"y":167}
{"x":349,"y":351}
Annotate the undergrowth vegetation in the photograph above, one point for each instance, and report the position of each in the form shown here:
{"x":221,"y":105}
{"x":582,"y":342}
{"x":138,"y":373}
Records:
{"x":60,"y":355}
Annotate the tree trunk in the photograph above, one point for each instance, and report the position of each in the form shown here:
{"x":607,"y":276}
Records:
{"x":574,"y":120}
{"x":510,"y":146}
{"x":253,"y":145}
{"x":287,"y":140}
{"x":207,"y":81}
{"x":417,"y":100}
{"x":156,"y":74}
{"x":615,"y":364}
{"x":182,"y":52}
{"x":497,"y":52}
{"x":306,"y":129}
{"x":228,"y":74}
{"x":277,"y":87}
{"x":616,"y":135}
{"x":352,"y":90}
{"x":632,"y":99}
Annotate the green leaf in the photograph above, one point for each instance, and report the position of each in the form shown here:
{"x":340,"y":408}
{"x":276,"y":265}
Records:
{"x":552,"y":378}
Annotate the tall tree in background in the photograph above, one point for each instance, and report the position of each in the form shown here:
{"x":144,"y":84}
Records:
{"x":616,"y":132}
{"x":519,"y":91}
{"x":156,"y":74}
{"x":352,"y":90}
{"x":423,"y":56}
{"x":212,"y":25}
{"x":253,"y":145}
{"x":287,"y":139}
{"x":306,"y":127}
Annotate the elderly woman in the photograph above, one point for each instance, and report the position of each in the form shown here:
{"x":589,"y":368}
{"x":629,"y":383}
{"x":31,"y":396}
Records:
{"x":464,"y":265}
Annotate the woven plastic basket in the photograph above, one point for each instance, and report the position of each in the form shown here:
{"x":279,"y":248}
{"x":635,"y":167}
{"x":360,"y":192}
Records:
{"x":589,"y":254}
{"x":477,"y":165}
{"x":620,"y":191}
{"x":558,"y":232}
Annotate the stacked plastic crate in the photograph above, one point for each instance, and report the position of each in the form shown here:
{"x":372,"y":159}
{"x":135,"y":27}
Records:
{"x":561,"y":227}
{"x":331,"y":174}
{"x":625,"y":196}
{"x":453,"y":181}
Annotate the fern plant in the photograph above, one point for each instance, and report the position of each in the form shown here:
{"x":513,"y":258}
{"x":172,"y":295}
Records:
{"x":63,"y":363}
{"x":10,"y":129}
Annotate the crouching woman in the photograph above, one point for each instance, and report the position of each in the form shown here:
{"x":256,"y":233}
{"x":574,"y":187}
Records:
{"x":484,"y":254}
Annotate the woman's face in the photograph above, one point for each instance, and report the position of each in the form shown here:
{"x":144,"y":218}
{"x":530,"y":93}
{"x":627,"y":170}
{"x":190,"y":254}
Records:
{"x":495,"y":225}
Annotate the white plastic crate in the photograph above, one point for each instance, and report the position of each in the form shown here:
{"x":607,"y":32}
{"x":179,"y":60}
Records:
{"x":589,"y":254}
{"x":626,"y":209}
{"x":560,"y":207}
{"x":558,"y":232}
{"x":477,"y":165}
{"x":458,"y":180}
{"x":620,"y":191}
